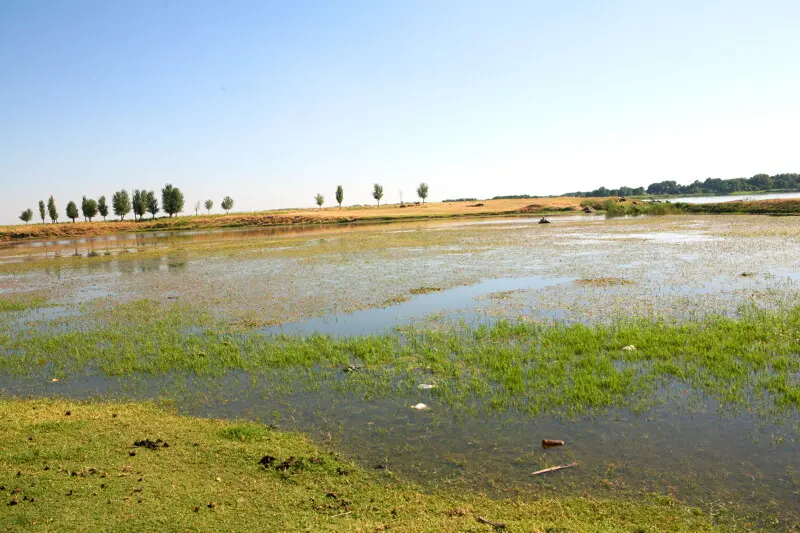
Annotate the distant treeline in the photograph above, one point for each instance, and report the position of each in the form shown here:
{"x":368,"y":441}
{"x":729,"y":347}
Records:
{"x":759,"y":182}
{"x":460,"y":200}
{"x":513,"y":197}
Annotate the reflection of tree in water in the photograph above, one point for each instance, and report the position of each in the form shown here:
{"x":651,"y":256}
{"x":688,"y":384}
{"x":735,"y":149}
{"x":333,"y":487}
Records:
{"x":177,"y":263}
{"x":172,"y":263}
{"x":53,"y":271}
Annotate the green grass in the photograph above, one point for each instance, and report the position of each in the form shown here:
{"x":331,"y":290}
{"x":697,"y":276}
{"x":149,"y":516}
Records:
{"x":613,"y":208}
{"x":22,"y":302}
{"x":78,"y":472}
{"x":564,"y":369}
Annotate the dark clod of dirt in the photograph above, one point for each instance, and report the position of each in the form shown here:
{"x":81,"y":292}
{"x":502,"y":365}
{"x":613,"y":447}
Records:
{"x":70,"y":493}
{"x":16,"y":490}
{"x":479,"y":204}
{"x":14,"y":501}
{"x":68,"y":413}
{"x":212,"y":505}
{"x":381,"y":466}
{"x":46,"y":467}
{"x":341,"y":471}
{"x":196,"y":509}
{"x":151,"y":445}
{"x":267,"y":461}
{"x":291,"y":462}
{"x":114,"y":415}
{"x":132,"y":453}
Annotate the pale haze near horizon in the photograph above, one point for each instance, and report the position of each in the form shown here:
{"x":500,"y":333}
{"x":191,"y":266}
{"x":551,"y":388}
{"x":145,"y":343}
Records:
{"x":273,"y":102}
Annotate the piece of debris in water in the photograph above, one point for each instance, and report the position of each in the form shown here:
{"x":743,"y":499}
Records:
{"x":426,"y":386}
{"x":629,"y":348}
{"x":553,"y":469}
{"x":550,"y":443}
{"x":420,"y":407}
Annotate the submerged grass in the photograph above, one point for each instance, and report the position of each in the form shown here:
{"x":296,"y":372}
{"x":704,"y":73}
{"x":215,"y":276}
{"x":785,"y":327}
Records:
{"x":72,"y":466}
{"x":22,"y":302}
{"x":537,"y":368}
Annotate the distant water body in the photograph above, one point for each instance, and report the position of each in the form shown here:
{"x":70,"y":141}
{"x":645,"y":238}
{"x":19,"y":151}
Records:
{"x":735,"y":198}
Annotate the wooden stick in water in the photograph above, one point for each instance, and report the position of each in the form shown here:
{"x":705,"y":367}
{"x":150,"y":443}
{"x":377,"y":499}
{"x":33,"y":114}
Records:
{"x":553,"y":469}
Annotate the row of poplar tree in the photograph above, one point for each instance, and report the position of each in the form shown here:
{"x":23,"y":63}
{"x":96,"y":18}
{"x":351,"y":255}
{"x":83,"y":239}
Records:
{"x":140,"y":202}
{"x":143,"y":201}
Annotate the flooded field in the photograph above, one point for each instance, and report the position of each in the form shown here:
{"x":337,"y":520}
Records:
{"x":503,"y":321}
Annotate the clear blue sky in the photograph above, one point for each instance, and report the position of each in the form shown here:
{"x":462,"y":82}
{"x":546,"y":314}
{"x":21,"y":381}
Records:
{"x":272,"y":102}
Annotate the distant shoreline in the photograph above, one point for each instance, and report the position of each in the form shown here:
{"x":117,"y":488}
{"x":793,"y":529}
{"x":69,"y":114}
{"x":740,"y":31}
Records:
{"x":387,"y":214}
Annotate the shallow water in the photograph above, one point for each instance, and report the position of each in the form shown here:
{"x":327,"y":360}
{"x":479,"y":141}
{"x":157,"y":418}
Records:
{"x":687,"y":446}
{"x":369,"y":279}
{"x":461,"y":303}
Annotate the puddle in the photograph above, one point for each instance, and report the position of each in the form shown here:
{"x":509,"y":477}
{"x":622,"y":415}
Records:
{"x":460,"y":302}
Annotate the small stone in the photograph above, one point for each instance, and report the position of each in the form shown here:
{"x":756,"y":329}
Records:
{"x":420,"y":407}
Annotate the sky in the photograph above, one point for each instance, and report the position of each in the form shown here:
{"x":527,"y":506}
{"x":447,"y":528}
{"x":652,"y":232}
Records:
{"x":272,"y":102}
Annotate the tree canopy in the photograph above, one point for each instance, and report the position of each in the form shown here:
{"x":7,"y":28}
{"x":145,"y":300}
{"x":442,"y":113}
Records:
{"x":72,"y":211}
{"x":377,"y":192}
{"x":757,"y":183}
{"x":102,"y":207}
{"x":339,"y":195}
{"x":89,"y":208}
{"x":121,"y":202}
{"x":227,"y":203}
{"x":152,"y":203}
{"x":52,"y":210}
{"x":139,"y":203}
{"x":422,"y":191}
{"x":171,"y":200}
